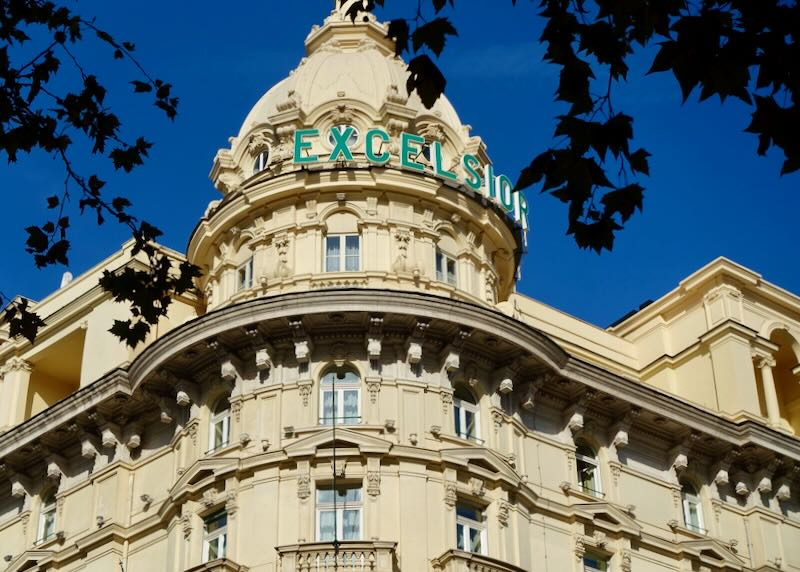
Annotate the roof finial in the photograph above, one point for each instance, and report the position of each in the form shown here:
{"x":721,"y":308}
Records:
{"x":345,"y":7}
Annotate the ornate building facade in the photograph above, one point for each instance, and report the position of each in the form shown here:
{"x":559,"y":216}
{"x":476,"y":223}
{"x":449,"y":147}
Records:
{"x":358,"y":386}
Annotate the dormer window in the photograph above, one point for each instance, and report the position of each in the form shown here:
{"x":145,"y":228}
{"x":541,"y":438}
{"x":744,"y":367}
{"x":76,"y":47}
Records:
{"x":352,"y":141}
{"x":262,"y":161}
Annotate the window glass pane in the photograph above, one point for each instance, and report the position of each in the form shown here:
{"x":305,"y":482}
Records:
{"x":213,"y":551}
{"x":351,"y":406}
{"x":469,"y":512}
{"x":351,"y":253}
{"x":327,"y":407}
{"x":439,"y":266}
{"x":325,"y":496}
{"x":451,"y":271}
{"x":469,"y":422}
{"x":460,"y":536}
{"x":327,"y":525}
{"x":49,"y":524}
{"x":351,"y":524}
{"x":458,"y":419}
{"x":474,"y":540}
{"x":332,"y":254}
{"x":216,"y":522}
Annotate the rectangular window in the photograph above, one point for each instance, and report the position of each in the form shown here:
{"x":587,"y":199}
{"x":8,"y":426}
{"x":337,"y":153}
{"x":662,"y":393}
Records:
{"x":466,"y":419}
{"x":593,"y":563}
{"x":445,"y":268}
{"x":215,"y":536}
{"x":470,"y":529}
{"x":343,"y":253}
{"x":47,"y":522}
{"x":244,"y":275}
{"x":339,"y":513}
{"x":341,"y":405}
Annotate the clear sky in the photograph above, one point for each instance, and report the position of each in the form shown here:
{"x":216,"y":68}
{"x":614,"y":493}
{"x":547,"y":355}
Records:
{"x":708,"y":195}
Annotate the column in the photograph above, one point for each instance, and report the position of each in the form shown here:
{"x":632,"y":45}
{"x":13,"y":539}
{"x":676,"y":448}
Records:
{"x":765,"y":364}
{"x":15,"y":375}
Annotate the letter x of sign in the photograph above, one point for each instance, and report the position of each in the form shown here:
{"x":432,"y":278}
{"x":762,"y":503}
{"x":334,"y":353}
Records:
{"x":340,"y":139}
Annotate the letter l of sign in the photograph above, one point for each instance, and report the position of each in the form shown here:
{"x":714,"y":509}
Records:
{"x":340,"y":138}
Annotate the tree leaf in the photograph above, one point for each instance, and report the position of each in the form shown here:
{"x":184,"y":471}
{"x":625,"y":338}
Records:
{"x":426,"y":79}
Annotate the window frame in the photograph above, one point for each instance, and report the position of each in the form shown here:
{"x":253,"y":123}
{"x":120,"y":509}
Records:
{"x":219,"y":534}
{"x":341,"y":259}
{"x":261,"y":161}
{"x":443,"y":273}
{"x":466,"y":524}
{"x":48,"y":509}
{"x":460,"y":408}
{"x":689,"y":490}
{"x":339,"y":508}
{"x":219,"y":417}
{"x":338,"y":402}
{"x":592,"y":461}
{"x":248,"y":267}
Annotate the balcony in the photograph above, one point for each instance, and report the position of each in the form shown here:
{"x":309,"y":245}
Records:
{"x":221,"y":565}
{"x":459,"y":561}
{"x":358,"y":556}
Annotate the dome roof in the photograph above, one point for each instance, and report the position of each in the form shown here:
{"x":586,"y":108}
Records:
{"x":346,"y":60}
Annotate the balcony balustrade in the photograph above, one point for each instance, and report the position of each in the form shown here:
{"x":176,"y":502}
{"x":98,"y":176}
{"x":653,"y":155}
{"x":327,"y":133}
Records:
{"x":459,"y":561}
{"x":344,"y":557}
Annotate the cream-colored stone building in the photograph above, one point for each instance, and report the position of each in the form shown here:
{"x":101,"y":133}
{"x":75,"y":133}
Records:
{"x":357,"y":385}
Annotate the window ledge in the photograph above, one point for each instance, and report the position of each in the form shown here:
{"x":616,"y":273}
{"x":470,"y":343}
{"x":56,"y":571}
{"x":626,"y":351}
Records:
{"x":678,"y":527}
{"x":579,"y":493}
{"x":455,"y":439}
{"x":43,"y":544}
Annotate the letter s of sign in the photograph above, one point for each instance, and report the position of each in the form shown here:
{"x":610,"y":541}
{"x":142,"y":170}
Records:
{"x":372,"y":157}
{"x":470,"y":164}
{"x":301,"y":145}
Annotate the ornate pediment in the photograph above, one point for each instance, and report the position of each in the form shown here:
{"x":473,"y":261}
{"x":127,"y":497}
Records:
{"x":342,"y":437}
{"x":608,"y":517}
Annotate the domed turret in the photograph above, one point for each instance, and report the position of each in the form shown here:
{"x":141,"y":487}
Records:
{"x":339,"y":161}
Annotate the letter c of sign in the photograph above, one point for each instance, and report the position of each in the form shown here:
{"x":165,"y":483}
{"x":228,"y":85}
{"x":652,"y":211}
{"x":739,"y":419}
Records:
{"x":372,"y":157}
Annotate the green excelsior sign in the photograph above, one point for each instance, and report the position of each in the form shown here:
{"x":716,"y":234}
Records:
{"x":498,"y":189}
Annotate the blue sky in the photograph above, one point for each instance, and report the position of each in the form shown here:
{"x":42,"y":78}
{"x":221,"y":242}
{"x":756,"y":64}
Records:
{"x":708,"y":194}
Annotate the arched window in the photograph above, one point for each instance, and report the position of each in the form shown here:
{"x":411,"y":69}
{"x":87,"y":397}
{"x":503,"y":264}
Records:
{"x":466,"y":414}
{"x":220,"y":430}
{"x":588,"y":470}
{"x":342,"y":243}
{"x":340,"y":397}
{"x":692,"y":509}
{"x":352,"y":141}
{"x":261,"y":161}
{"x":47,"y":518}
